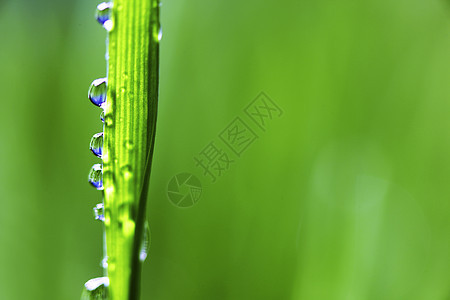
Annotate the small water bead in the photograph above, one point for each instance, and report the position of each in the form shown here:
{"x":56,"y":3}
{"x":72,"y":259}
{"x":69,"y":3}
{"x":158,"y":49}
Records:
{"x":105,"y":159}
{"x":96,"y":177}
{"x":111,"y":264}
{"x":145,"y":245}
{"x":97,"y":91}
{"x":127,"y":172}
{"x":160,"y":33}
{"x":104,"y":262}
{"x":103,"y":15}
{"x":99,"y":212}
{"x":96,"y":144}
{"x":102,"y":116}
{"x":109,"y":120}
{"x":109,"y":175}
{"x":96,"y":289}
{"x":128,"y":144}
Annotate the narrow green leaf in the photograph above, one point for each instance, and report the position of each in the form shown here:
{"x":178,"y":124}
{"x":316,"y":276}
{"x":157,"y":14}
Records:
{"x":129,"y":132}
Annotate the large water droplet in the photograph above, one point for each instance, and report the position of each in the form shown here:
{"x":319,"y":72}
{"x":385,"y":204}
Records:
{"x":96,"y":177}
{"x":97,"y":91}
{"x":145,"y":245}
{"x":103,"y":15}
{"x":99,"y":212}
{"x":96,"y":289}
{"x":96,"y":144}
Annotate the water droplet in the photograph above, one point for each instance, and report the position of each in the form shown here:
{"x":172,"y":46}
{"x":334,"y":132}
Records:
{"x":103,"y":15}
{"x":160,"y":33}
{"x":102,"y":116}
{"x":96,"y":177}
{"x":127,"y":172}
{"x":145,"y":245}
{"x":128,"y":144}
{"x":96,"y":289}
{"x":109,"y":120}
{"x":97,"y":91}
{"x":98,"y":212}
{"x":96,"y":144}
{"x":104,"y":262}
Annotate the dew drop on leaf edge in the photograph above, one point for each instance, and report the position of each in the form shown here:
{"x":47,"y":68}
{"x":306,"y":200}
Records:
{"x":99,"y":212}
{"x":103,"y":15}
{"x":160,"y":33}
{"x":96,"y":176}
{"x":97,"y":91}
{"x":145,"y":245}
{"x":104,"y":262}
{"x":109,"y":120}
{"x":96,"y":289}
{"x":96,"y":144}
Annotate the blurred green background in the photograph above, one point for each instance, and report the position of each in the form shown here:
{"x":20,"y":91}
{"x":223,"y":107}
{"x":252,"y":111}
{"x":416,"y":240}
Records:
{"x":345,"y":196}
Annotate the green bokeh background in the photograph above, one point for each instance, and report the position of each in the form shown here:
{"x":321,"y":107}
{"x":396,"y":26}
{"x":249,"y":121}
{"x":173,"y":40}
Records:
{"x":345,"y":196}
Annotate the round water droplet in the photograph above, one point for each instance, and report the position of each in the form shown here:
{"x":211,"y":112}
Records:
{"x":128,"y":144}
{"x":97,"y":91}
{"x":96,"y":289}
{"x":102,"y":116}
{"x":103,"y":15}
{"x":96,"y":144}
{"x":109,"y":120}
{"x":96,"y":177}
{"x":145,"y":245}
{"x":127,"y":172}
{"x":99,"y":212}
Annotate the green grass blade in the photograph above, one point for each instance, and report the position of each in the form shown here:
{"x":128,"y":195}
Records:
{"x":130,"y":120}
